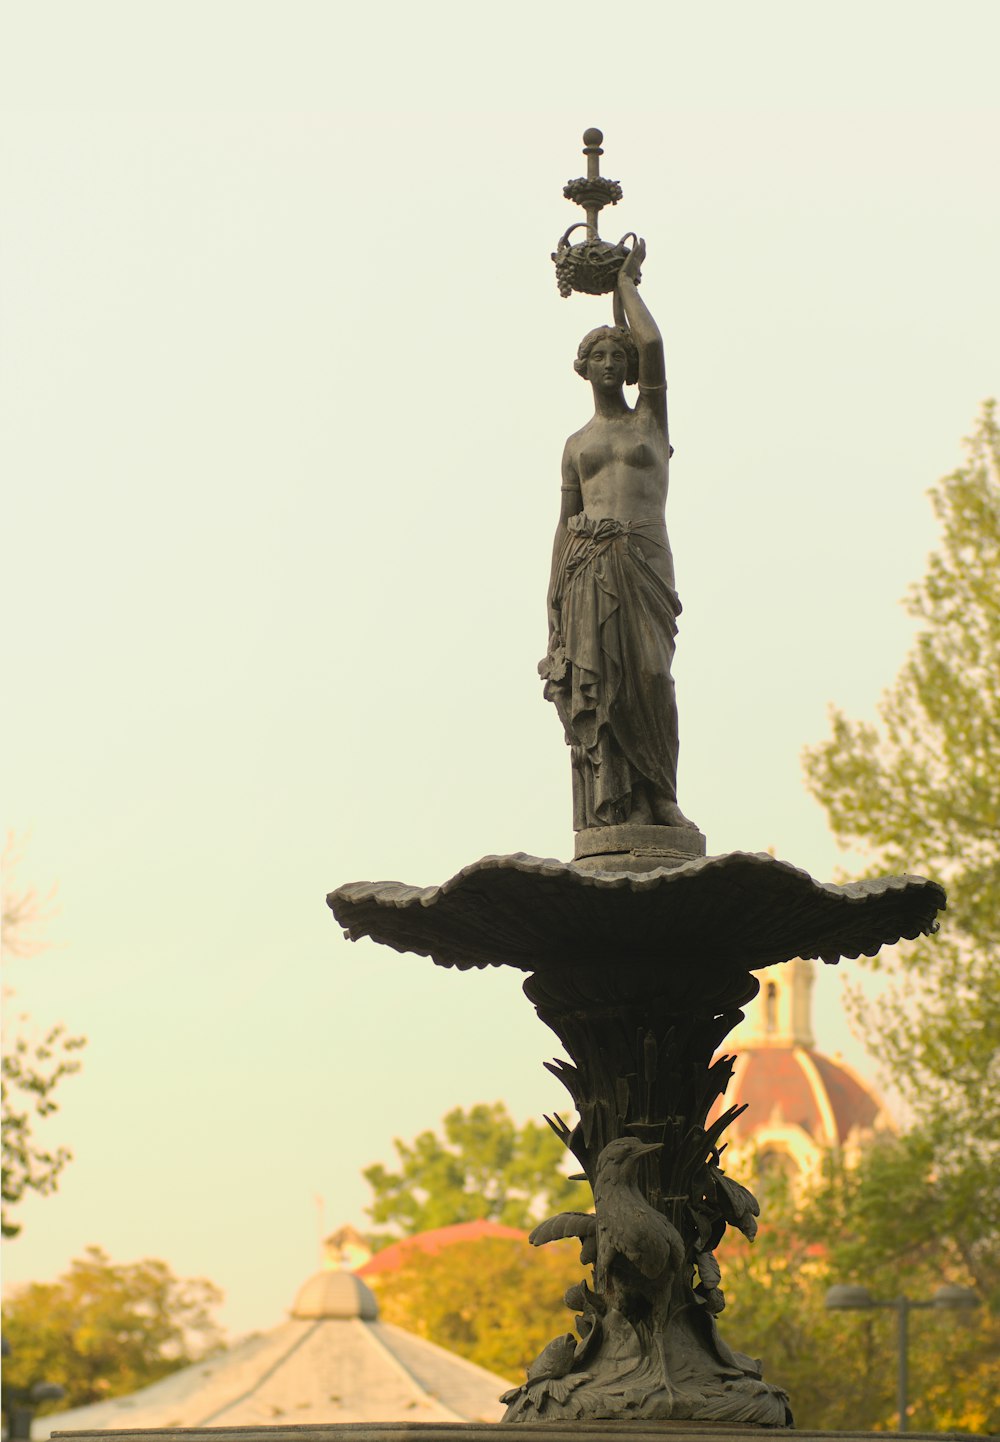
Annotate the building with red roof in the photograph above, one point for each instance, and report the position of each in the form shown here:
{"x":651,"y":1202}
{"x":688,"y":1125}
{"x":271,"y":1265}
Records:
{"x":800,"y":1104}
{"x":400,"y":1254}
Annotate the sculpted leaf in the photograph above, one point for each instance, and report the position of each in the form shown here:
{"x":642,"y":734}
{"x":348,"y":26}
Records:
{"x":708,"y":1270}
{"x":739,"y":1206}
{"x":579,"y":1298}
{"x":566,"y":1224}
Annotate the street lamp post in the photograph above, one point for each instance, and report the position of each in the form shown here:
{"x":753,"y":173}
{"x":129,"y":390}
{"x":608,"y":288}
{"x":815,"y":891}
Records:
{"x":848,"y":1298}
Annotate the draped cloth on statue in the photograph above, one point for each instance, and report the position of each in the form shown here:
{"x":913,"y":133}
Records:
{"x":610,"y":676}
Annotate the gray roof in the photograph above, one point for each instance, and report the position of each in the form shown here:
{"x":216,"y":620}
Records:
{"x":332,"y":1361}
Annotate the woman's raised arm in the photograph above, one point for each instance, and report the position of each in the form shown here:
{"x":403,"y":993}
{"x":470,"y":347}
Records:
{"x":645,"y":331}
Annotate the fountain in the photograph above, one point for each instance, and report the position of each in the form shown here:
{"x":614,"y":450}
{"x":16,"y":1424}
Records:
{"x":640,"y":951}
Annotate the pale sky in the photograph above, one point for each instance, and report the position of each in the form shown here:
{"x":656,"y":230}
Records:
{"x":286,"y":380}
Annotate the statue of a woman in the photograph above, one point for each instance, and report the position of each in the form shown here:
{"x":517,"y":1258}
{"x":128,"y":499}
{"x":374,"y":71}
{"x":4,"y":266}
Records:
{"x":612,"y":604}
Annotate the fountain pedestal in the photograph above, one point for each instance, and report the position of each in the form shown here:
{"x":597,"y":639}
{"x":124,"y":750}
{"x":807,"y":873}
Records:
{"x":641,"y":975}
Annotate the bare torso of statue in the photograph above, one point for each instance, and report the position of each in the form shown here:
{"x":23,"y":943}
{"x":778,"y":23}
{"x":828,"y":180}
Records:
{"x":612,"y":604}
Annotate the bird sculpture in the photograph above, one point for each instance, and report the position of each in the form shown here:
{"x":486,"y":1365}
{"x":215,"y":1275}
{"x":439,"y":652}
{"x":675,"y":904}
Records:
{"x":555,"y":1360}
{"x":627,"y":1226}
{"x":635,"y":1249}
{"x":623,"y":1224}
{"x":551,"y":1373}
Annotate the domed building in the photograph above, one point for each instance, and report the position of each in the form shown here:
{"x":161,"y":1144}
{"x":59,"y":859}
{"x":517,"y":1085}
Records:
{"x":331,"y":1361}
{"x":800,"y":1104}
{"x":407,"y":1250}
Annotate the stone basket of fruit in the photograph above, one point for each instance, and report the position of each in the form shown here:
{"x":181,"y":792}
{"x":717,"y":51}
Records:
{"x":590,"y":266}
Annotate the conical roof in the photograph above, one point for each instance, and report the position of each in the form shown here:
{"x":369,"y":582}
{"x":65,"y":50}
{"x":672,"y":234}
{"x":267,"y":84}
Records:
{"x":335,"y":1295}
{"x":332,"y":1361}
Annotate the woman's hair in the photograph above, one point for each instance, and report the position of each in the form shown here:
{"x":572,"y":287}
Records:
{"x":609,"y":332}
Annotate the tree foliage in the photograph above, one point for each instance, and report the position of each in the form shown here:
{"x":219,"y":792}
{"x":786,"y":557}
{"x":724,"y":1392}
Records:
{"x":918,"y":792}
{"x":495,"y":1300}
{"x":878,"y":1224}
{"x":883,"y":1223}
{"x":482,"y":1167}
{"x":31,"y":1070}
{"x":887,"y":1223}
{"x":105,"y":1329}
{"x":33,"y":1064}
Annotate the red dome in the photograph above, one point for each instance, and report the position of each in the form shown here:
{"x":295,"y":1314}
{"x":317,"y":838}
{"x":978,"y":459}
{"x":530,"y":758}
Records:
{"x":798,"y":1087}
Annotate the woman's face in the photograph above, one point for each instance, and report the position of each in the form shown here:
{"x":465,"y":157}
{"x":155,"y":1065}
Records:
{"x":607,"y":364}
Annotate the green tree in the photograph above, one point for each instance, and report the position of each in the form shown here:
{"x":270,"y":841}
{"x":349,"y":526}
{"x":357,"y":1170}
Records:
{"x":103,"y":1329}
{"x":482,"y":1167}
{"x":32,"y":1064}
{"x":494,"y":1300}
{"x":840,"y":1367}
{"x":919,"y":792}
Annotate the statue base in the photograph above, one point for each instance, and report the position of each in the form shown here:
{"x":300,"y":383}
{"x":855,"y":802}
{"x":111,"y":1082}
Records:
{"x":625,"y":1431}
{"x":636,"y":848}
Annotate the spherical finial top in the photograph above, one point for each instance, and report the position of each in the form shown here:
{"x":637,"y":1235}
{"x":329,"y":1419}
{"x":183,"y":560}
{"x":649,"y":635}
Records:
{"x":593,"y":136}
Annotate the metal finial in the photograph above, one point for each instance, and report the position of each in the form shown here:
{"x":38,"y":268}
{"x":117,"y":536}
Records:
{"x":592,"y":150}
{"x":593,"y":136}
